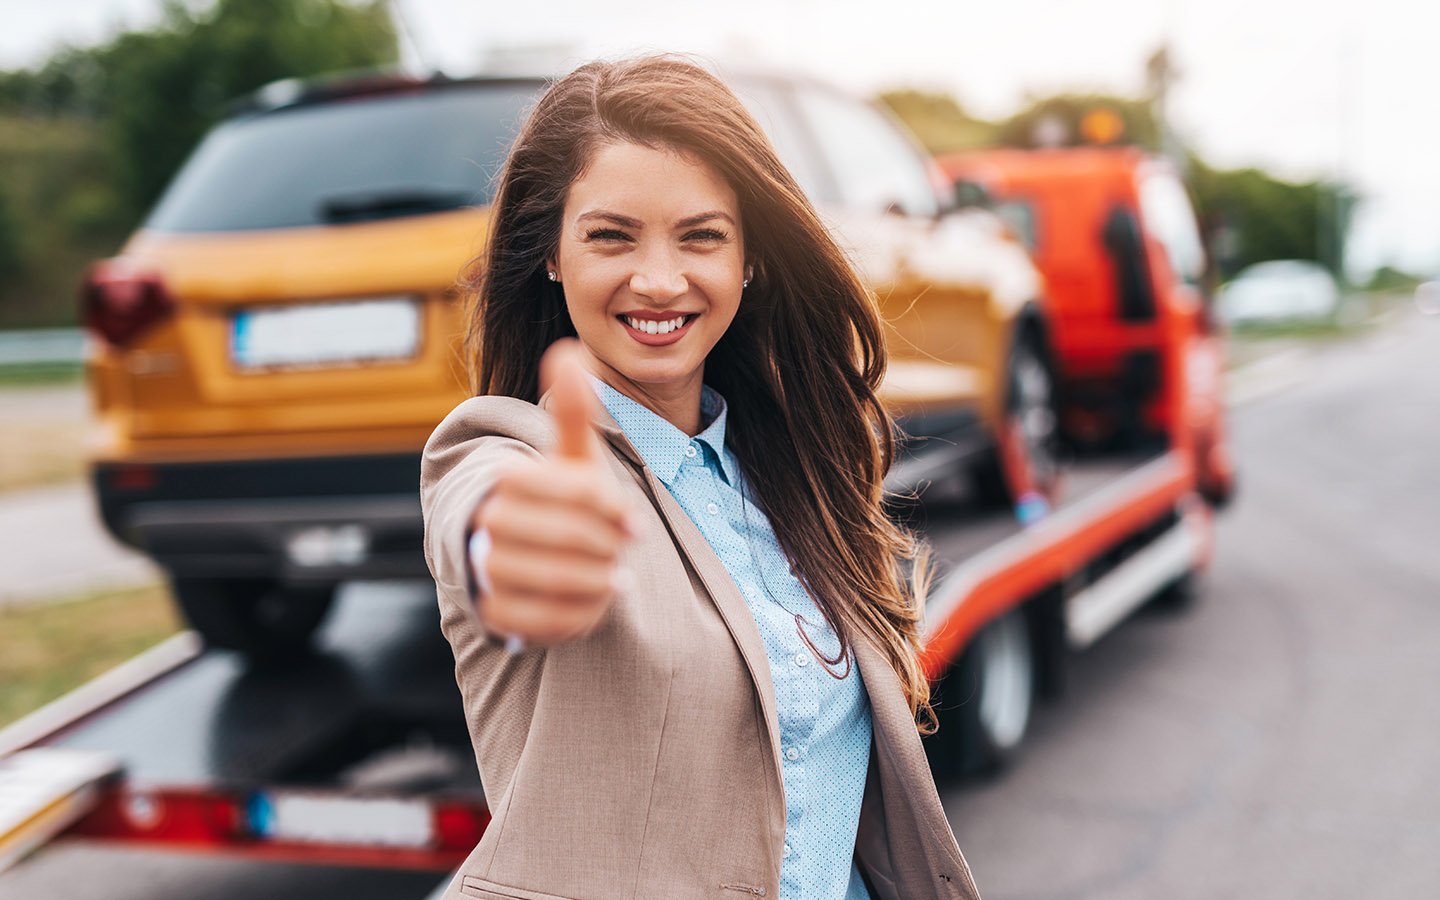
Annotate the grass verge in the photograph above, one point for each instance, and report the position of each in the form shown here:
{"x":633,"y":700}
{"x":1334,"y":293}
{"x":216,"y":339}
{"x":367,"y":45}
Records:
{"x":48,"y":649}
{"x":32,"y":374}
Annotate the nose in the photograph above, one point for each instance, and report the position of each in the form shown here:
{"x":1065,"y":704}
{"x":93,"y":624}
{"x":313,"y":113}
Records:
{"x":659,"y":276}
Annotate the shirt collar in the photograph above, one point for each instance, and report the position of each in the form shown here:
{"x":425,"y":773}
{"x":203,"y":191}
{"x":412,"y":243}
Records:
{"x":661,"y":444}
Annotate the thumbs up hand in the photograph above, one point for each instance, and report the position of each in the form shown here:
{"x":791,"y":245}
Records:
{"x":556,"y":526}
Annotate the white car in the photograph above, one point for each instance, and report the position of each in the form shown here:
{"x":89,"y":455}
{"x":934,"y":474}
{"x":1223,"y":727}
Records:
{"x":1280,"y":290}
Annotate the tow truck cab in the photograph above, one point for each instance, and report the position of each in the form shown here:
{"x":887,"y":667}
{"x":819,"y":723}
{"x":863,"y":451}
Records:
{"x":1113,"y":232}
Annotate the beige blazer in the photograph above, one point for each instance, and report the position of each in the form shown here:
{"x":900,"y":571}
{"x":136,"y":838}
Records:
{"x":643,"y":761}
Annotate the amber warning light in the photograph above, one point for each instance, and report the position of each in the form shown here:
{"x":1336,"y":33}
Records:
{"x":119,"y":299}
{"x":1102,"y":126}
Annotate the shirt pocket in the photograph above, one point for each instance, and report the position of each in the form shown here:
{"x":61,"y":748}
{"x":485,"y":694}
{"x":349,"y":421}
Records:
{"x":470,"y":886}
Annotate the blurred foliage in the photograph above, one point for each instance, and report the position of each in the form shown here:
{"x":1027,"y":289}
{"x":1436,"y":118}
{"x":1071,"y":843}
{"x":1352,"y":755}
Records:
{"x":1251,"y":216}
{"x":61,"y":210}
{"x":11,"y":254}
{"x":1389,"y":280}
{"x":939,"y":121}
{"x":90,"y":139}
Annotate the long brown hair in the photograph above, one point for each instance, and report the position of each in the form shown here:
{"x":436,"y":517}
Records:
{"x":799,"y":365}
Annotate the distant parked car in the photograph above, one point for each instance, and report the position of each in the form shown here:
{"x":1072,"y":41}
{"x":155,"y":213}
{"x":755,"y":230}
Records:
{"x":1278,"y":290}
{"x":1427,"y":297}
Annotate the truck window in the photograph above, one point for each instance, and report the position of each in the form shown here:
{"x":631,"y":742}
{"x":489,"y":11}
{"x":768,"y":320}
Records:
{"x":1165,"y":209}
{"x":1019,"y":214}
{"x":874,"y":164}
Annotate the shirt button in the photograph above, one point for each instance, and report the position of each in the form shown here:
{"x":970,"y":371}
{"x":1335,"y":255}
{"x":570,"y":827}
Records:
{"x":801,"y":659}
{"x":792,"y":754}
{"x":787,"y":849}
{"x":691,"y":451}
{"x":712,"y":509}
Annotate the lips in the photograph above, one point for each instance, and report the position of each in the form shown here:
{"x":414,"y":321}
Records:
{"x":655,"y":326}
{"x":655,"y":329}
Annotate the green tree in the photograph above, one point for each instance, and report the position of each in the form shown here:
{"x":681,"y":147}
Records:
{"x":939,"y":121}
{"x":90,"y":138}
{"x":1264,"y":217}
{"x":166,"y":87}
{"x":1388,"y":279}
{"x":11,"y":252}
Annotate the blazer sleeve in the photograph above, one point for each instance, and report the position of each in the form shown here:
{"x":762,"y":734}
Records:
{"x":471,"y":447}
{"x":462,"y":459}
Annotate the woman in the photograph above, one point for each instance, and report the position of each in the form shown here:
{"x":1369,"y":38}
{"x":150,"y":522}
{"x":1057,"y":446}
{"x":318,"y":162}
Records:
{"x":686,"y":650}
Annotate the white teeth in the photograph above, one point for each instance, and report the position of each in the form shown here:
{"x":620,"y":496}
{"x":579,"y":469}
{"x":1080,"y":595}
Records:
{"x":650,"y":326}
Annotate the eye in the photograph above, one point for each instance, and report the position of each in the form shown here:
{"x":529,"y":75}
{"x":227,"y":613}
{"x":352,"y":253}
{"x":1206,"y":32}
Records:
{"x":607,"y":234}
{"x":707,"y":235}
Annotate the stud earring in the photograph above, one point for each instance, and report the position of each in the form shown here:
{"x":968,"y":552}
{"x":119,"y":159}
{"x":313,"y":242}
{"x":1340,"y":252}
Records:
{"x":553,"y":276}
{"x":749,"y":273}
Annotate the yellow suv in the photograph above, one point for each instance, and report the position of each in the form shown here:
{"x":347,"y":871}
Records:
{"x":281,"y":335}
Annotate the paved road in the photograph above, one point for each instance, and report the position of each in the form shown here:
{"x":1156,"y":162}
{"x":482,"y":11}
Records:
{"x":52,"y":544}
{"x":1280,"y":741}
{"x":1277,"y":741}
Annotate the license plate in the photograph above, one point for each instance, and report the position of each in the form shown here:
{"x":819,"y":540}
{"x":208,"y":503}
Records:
{"x":318,"y":819}
{"x":326,"y":334}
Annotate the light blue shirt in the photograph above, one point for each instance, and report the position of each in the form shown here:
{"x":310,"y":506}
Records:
{"x":824,"y":721}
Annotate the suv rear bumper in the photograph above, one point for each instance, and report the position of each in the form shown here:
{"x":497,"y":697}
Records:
{"x":302,"y":521}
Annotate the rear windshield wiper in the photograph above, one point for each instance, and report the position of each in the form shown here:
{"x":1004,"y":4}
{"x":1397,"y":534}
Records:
{"x":363,"y":206}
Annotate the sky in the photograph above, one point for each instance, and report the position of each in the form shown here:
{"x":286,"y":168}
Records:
{"x":1303,"y":88}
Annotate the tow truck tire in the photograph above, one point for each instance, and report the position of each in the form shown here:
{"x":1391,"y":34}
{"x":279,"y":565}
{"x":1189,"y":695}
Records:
{"x":1030,"y":405}
{"x":260,"y":618}
{"x":983,"y":704}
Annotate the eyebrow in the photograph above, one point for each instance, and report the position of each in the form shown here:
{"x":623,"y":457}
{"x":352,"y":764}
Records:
{"x":705,"y":217}
{"x":627,"y":222}
{"x":608,"y":216}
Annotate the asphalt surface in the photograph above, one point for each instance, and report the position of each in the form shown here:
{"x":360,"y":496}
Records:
{"x":1276,"y":740}
{"x":1279,"y":739}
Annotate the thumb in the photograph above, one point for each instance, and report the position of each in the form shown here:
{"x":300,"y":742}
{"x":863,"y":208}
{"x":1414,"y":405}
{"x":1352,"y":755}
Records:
{"x":562,"y":374}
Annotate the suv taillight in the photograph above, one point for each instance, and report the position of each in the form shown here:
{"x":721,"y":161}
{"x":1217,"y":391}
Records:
{"x":119,"y":299}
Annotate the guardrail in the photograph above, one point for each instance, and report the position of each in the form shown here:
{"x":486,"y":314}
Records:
{"x":42,"y":346}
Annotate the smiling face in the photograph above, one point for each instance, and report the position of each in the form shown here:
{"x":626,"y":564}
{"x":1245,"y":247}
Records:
{"x":651,"y":259}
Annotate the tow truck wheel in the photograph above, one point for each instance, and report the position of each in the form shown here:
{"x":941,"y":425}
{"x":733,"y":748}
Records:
{"x":257,"y":617}
{"x":1026,"y":457}
{"x":983,"y":704}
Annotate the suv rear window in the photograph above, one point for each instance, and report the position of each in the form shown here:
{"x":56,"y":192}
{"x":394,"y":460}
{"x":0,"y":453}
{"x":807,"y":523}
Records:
{"x":364,"y":158}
